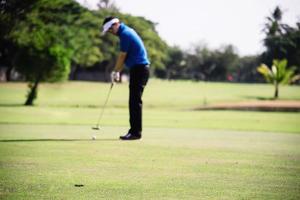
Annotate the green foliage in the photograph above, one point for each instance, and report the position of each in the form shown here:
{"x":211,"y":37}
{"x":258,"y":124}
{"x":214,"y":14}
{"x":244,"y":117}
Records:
{"x":63,"y":63}
{"x":213,"y":65}
{"x":59,"y":34}
{"x":175,"y":64}
{"x":52,"y":36}
{"x":86,"y":41}
{"x":41,"y":55}
{"x":278,"y":74}
{"x":63,"y":25}
{"x":281,"y":41}
{"x":246,"y":72}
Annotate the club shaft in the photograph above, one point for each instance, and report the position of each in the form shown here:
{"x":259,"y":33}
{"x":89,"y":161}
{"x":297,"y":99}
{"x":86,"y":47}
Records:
{"x":104,"y":105}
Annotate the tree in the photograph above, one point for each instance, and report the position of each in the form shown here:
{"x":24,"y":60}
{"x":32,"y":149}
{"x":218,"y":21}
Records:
{"x":212,"y":65}
{"x":11,"y":13}
{"x":274,"y":25}
{"x":45,"y":42}
{"x":227,"y":63}
{"x":246,"y":71}
{"x":278,"y":74}
{"x":282,"y":41}
{"x":107,"y":5}
{"x":175,"y":63}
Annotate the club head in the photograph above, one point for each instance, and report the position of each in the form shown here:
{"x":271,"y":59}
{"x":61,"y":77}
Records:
{"x":96,"y":128}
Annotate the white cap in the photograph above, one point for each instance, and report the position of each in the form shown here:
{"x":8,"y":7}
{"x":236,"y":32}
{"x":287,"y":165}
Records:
{"x":108,"y":24}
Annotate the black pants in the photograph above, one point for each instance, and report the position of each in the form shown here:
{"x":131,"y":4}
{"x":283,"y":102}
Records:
{"x":139,"y":76}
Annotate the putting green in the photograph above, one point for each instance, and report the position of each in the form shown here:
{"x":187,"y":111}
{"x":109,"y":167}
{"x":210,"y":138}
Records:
{"x":47,"y":161}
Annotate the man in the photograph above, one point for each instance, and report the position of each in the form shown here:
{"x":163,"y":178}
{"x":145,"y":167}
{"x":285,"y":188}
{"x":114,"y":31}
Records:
{"x":134,"y":55}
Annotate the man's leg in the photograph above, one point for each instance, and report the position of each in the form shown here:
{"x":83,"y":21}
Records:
{"x":138,"y":80}
{"x":135,"y":110}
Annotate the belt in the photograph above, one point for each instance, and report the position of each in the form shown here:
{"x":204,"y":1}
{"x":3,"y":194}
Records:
{"x":140,"y":65}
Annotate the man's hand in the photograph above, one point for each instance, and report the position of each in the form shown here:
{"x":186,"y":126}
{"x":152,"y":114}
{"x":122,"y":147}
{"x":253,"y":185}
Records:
{"x":114,"y":76}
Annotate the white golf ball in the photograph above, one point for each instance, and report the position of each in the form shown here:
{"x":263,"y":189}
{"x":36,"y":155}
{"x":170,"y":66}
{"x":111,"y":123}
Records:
{"x":94,"y":137}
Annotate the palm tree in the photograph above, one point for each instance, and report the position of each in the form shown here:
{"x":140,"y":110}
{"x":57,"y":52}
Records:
{"x":108,"y":5}
{"x":274,"y":26}
{"x":278,"y":74}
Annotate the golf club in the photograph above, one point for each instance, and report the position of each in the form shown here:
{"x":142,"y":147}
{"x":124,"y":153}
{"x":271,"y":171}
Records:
{"x":103,"y":107}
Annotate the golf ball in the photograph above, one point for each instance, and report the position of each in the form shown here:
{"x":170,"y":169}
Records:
{"x":94,"y":137}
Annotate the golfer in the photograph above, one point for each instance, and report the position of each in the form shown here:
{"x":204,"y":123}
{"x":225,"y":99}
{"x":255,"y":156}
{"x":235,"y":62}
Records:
{"x":134,"y":55}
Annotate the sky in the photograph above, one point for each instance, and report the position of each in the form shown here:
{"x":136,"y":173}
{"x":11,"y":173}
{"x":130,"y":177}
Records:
{"x":187,"y":23}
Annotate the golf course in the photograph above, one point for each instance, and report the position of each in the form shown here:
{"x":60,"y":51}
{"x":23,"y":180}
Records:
{"x":47,"y":151}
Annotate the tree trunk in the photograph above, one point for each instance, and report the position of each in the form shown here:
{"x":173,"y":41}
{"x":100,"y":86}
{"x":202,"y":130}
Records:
{"x":32,"y":94}
{"x":8,"y":74}
{"x":73,"y":73}
{"x":276,"y":90}
{"x":107,"y":71}
{"x":168,"y":74}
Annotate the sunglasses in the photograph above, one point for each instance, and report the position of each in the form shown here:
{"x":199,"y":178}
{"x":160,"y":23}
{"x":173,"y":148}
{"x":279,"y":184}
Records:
{"x":111,"y":28}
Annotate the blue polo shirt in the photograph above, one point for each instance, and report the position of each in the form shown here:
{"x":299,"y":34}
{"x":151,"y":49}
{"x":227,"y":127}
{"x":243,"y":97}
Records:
{"x":132,"y":44}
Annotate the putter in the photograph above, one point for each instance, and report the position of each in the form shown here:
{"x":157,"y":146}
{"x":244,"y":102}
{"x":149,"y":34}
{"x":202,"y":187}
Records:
{"x":103,"y":107}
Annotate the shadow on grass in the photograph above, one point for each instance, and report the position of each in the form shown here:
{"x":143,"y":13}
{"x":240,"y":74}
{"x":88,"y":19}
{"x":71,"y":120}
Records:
{"x":11,"y":105}
{"x":59,"y":140}
{"x":259,"y":98}
{"x":54,"y":105}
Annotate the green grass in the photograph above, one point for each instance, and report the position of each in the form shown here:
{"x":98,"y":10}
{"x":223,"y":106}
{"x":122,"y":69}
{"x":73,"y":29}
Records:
{"x":166,"y":103}
{"x":46,"y":161}
{"x":223,"y":120}
{"x":185,"y":154}
{"x":159,"y":94}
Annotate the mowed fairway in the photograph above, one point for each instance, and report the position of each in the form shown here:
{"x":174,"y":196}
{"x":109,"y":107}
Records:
{"x":46,"y":151}
{"x":46,"y":162}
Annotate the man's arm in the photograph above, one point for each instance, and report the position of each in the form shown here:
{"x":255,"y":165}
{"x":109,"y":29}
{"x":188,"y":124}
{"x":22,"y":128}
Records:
{"x":120,"y":61}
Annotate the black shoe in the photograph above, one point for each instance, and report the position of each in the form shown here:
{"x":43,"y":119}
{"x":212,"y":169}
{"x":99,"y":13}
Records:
{"x":130,"y":136}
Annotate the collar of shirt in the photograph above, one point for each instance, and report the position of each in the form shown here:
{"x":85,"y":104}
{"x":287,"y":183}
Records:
{"x":121,"y":29}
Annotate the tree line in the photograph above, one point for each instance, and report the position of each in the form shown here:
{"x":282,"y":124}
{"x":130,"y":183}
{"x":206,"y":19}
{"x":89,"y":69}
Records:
{"x":224,"y":64}
{"x":46,"y":40}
